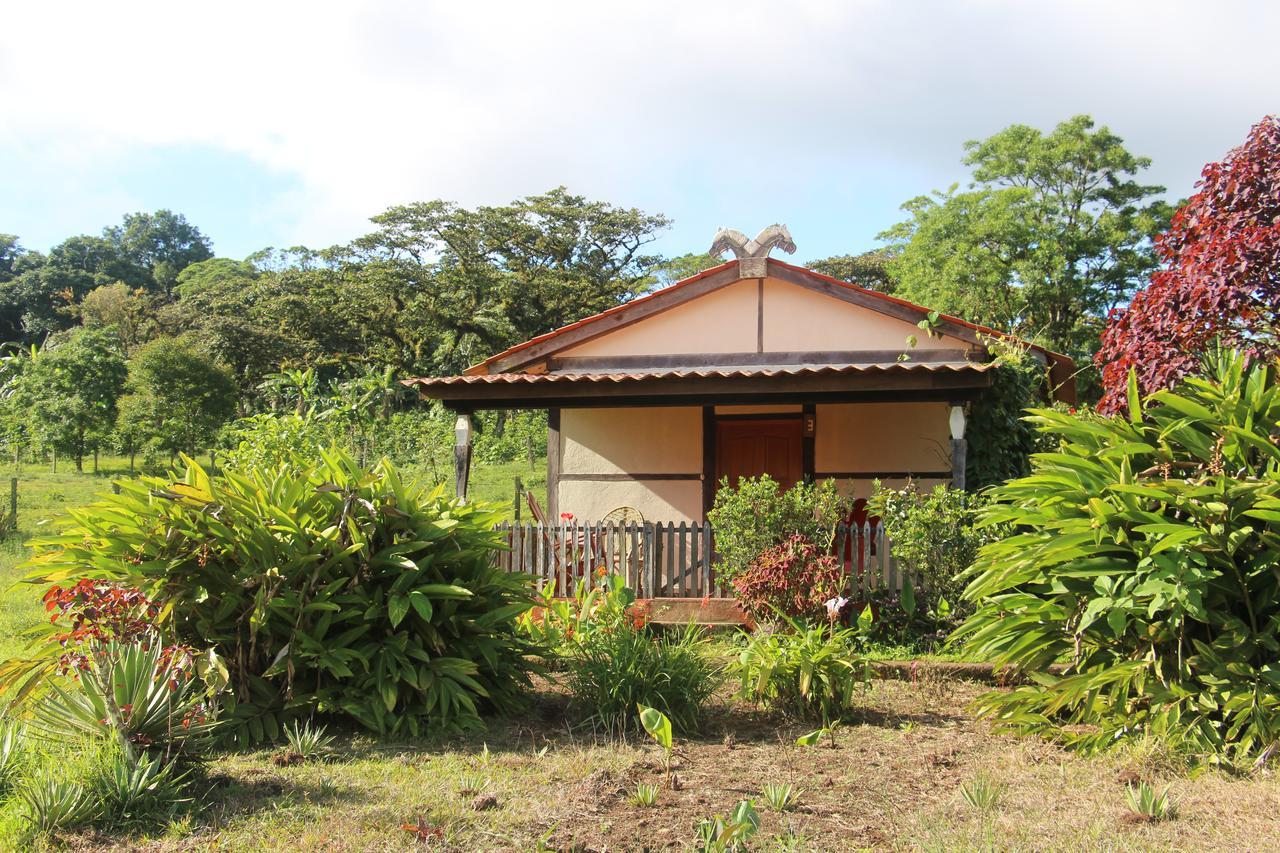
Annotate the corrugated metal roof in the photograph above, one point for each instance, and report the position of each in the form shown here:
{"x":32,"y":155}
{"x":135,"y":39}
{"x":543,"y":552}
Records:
{"x":733,"y":372}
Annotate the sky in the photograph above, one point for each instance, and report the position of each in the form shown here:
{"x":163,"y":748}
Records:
{"x":278,"y":123}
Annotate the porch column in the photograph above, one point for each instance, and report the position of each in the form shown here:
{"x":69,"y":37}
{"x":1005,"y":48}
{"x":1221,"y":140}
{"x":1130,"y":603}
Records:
{"x":959,"y":447}
{"x":462,"y":454}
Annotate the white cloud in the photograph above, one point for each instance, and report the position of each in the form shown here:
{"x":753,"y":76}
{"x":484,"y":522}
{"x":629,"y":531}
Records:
{"x":761,"y":106}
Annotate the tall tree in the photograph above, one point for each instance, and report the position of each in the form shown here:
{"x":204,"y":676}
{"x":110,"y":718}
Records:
{"x":1220,"y":280}
{"x":177,"y":396}
{"x":71,"y":389}
{"x":163,"y":243}
{"x":868,"y":269}
{"x":492,"y":276}
{"x":147,"y":251}
{"x":118,"y":307}
{"x":1053,"y":233}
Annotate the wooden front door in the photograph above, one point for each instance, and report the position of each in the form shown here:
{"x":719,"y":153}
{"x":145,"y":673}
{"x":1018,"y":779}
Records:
{"x":753,"y":446}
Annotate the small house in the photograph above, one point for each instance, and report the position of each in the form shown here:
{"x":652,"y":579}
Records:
{"x":753,"y":367}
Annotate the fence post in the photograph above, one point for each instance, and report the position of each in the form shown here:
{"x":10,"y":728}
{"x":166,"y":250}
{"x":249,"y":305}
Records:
{"x":516,"y":503}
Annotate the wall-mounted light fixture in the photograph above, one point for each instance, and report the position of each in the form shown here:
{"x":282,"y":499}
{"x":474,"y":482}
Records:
{"x":957,"y":422}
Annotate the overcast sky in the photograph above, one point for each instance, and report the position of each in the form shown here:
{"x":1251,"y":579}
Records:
{"x":275,"y":124}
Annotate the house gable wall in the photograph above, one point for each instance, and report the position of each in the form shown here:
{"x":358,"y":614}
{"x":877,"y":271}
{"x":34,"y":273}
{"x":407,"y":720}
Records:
{"x":761,"y":315}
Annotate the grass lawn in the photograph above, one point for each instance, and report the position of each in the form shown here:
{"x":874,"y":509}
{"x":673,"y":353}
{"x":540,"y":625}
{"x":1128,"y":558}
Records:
{"x":893,"y":780}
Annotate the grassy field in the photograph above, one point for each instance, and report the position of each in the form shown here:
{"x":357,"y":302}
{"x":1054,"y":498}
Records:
{"x":893,"y":779}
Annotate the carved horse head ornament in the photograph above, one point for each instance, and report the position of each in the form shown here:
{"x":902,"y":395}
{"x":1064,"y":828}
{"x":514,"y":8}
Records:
{"x":765,"y":241}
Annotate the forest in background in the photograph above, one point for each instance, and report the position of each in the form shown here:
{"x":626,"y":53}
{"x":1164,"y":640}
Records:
{"x":141,"y":340}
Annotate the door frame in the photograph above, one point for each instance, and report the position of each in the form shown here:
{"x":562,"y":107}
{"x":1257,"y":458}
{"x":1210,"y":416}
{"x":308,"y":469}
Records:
{"x":710,"y":422}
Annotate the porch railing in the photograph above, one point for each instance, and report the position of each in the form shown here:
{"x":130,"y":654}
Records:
{"x":668,"y":559}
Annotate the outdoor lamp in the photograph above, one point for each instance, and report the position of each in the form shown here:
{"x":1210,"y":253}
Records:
{"x":957,"y":422}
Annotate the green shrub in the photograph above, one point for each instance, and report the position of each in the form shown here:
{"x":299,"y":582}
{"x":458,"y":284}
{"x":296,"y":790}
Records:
{"x":934,"y":534}
{"x":794,"y":578}
{"x":325,"y":587}
{"x":758,"y":515}
{"x":614,"y":672}
{"x":269,"y":441}
{"x":812,"y":672}
{"x":558,"y":625}
{"x":1144,"y":558}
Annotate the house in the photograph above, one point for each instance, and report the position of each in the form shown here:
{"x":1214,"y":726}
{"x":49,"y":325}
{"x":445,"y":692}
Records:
{"x":755,"y":366}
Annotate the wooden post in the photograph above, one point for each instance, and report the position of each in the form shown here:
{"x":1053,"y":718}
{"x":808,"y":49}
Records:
{"x":553,"y":463}
{"x":461,"y":455}
{"x":959,"y":446}
{"x":518,"y":500}
{"x":12,"y":520}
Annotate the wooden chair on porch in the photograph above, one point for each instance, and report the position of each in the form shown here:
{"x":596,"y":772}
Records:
{"x":570,"y":551}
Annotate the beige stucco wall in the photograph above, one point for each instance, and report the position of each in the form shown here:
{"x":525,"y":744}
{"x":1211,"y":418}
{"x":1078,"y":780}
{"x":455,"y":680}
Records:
{"x":657,"y":500}
{"x":632,"y":441}
{"x":858,"y":437}
{"x":727,"y":321}
{"x":721,"y":321}
{"x":799,"y":320}
{"x":660,"y":440}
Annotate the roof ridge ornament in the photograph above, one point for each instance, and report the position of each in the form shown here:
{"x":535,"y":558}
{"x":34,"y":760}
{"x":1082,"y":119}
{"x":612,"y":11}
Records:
{"x":752,"y":254}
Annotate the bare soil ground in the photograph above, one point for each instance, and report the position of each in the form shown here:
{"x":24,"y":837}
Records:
{"x":891,"y":781}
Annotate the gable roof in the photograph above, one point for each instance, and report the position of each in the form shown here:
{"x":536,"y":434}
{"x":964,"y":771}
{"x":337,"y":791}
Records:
{"x":542,"y":347}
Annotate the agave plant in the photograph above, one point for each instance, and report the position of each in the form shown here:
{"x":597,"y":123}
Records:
{"x":1143,"y":556}
{"x":11,"y":752}
{"x":1146,"y":804}
{"x":51,"y":803}
{"x":134,"y":693}
{"x":780,"y":796}
{"x":306,"y":741}
{"x":982,"y":793}
{"x":140,"y":792}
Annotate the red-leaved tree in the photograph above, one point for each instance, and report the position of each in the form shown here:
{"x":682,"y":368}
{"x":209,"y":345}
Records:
{"x":1220,"y":276}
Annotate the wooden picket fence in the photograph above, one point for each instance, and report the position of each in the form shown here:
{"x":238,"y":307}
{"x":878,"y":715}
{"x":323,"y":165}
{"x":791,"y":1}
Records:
{"x":668,"y":559}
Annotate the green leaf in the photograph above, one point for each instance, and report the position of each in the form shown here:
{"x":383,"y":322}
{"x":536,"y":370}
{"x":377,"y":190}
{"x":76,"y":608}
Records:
{"x":811,"y":738}
{"x":422,"y":604}
{"x":397,"y":609}
{"x":657,"y":725}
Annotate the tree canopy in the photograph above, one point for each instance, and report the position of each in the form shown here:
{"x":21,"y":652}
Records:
{"x":1053,"y":232}
{"x":1220,"y":279}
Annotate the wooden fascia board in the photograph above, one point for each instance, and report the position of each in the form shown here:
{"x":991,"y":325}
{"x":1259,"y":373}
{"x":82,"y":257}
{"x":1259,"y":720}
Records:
{"x":611,"y":321}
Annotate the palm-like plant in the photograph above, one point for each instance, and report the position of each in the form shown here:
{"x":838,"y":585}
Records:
{"x":135,"y":693}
